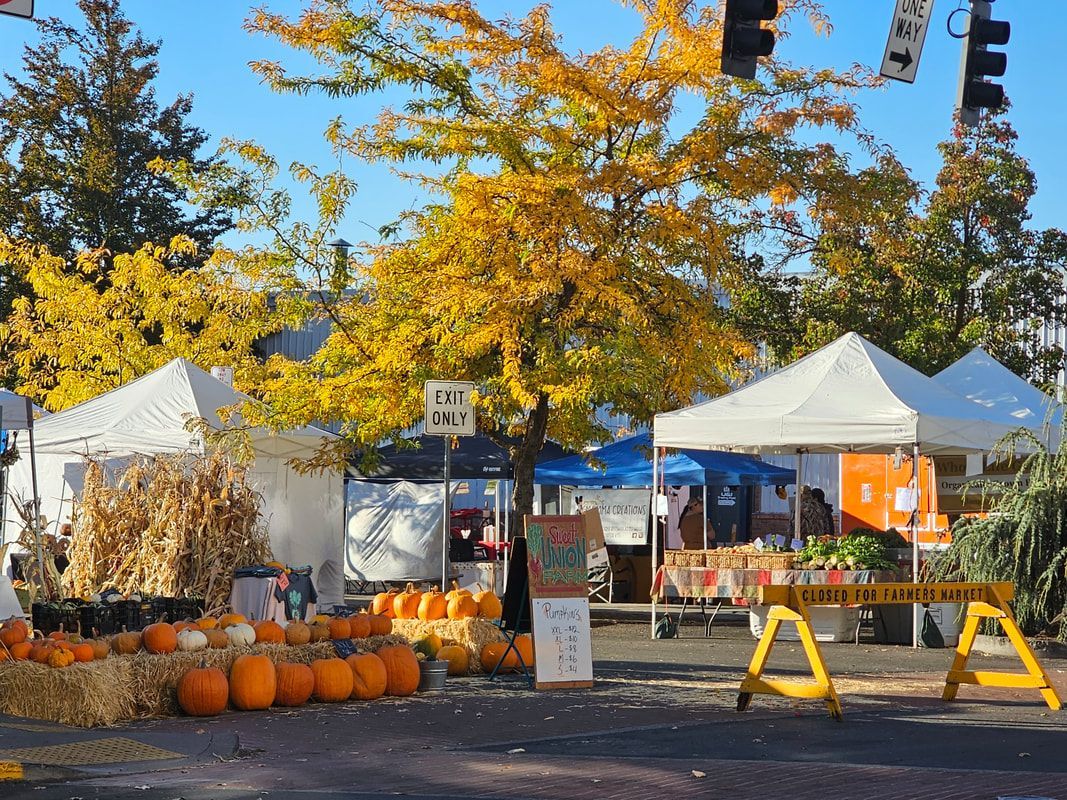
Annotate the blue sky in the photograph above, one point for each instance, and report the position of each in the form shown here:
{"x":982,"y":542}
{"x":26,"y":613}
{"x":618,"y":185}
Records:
{"x":205,"y":52}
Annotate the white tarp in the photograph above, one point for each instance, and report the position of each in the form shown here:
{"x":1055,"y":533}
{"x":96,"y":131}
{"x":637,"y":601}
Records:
{"x":623,"y":512}
{"x":304,"y":513}
{"x":394,"y":531}
{"x":982,"y":379}
{"x":847,"y":396}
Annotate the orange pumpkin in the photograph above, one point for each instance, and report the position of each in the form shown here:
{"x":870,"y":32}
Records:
{"x":383,"y":603}
{"x":83,"y":652}
{"x":226,"y":620}
{"x":296,"y":682}
{"x":41,"y":653}
{"x":217,"y":639}
{"x":339,"y":628}
{"x":359,"y":626}
{"x":185,"y":625}
{"x":320,"y":632}
{"x":380,"y":625}
{"x":252,"y":682}
{"x":297,"y":633}
{"x":401,"y":669}
{"x":455,"y":591}
{"x":58,"y":636}
{"x":16,"y":624}
{"x":406,"y":604}
{"x":203,"y":692}
{"x":492,"y":654}
{"x":457,"y":657}
{"x":160,"y":638}
{"x":488,"y":605}
{"x":207,"y":623}
{"x":101,"y":648}
{"x":333,"y":680}
{"x":369,"y":678}
{"x":125,"y":644}
{"x":524,"y":644}
{"x":12,"y":635}
{"x":270,"y":632}
{"x":3,"y":654}
{"x":462,"y":606}
{"x":433,"y":605}
{"x":60,"y":658}
{"x":21,"y":651}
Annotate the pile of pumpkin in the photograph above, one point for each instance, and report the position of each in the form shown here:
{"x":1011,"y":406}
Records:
{"x":60,"y":649}
{"x":492,"y":654}
{"x":256,"y":683}
{"x":428,"y":606}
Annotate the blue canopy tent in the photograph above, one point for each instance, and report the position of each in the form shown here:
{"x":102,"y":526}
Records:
{"x":628,"y":462}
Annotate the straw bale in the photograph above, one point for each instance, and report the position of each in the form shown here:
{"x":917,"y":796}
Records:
{"x":86,"y":695}
{"x":472,"y":634}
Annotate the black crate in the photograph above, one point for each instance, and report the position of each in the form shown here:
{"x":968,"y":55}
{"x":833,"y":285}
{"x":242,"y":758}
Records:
{"x":97,"y":617}
{"x":190,"y":608}
{"x":127,"y":614}
{"x":165,"y":609}
{"x":44,"y":619}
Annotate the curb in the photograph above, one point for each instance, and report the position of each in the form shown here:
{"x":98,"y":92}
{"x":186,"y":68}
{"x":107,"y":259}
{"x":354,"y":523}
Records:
{"x":1000,"y":646}
{"x":17,"y":771}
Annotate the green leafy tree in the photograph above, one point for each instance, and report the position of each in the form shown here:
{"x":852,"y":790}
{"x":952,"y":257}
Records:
{"x":77,"y":132}
{"x":930,"y":277}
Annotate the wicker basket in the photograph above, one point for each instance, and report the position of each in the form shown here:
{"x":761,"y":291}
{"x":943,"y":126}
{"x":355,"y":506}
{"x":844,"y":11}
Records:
{"x":771,"y":560}
{"x":670,"y":557}
{"x":690,"y":558}
{"x":717,"y":559}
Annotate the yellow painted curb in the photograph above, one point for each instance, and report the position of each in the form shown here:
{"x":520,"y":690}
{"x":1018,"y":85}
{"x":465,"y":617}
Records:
{"x":10,"y":771}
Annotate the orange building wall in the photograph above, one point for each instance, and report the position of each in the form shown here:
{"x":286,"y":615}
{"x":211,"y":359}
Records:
{"x":868,"y":491}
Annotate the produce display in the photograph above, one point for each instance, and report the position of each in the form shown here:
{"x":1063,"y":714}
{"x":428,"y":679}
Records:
{"x":850,"y":552}
{"x":168,"y":526}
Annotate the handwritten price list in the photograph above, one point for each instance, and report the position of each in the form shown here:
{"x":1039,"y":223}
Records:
{"x":561,"y":639}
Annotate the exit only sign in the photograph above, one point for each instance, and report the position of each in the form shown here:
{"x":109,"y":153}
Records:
{"x":449,"y":411}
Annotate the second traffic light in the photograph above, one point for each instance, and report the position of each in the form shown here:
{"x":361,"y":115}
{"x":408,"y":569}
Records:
{"x":743,"y":40}
{"x":977,"y":63}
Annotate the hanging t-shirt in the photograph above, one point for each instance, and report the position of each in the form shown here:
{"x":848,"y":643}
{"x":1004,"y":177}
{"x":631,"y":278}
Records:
{"x":295,"y":592}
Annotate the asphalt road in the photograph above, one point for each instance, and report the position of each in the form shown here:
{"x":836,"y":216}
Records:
{"x":660,"y":721}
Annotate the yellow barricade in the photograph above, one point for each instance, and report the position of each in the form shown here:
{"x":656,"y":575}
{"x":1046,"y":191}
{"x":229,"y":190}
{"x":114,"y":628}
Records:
{"x":984,"y":601}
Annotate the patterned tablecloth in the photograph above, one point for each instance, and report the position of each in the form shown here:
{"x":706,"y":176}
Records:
{"x":744,"y":583}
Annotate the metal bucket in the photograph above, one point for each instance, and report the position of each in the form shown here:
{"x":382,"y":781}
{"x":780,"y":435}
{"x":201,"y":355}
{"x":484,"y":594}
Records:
{"x":432,"y":675}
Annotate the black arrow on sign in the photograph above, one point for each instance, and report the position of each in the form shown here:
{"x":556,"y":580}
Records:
{"x":904,"y":59}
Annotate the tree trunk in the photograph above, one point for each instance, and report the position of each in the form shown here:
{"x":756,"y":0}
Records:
{"x":524,"y":456}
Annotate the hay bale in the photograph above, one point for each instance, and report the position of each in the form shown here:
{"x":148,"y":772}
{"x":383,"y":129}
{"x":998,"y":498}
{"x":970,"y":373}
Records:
{"x":472,"y":634}
{"x":85,"y":695}
{"x":141,"y":685}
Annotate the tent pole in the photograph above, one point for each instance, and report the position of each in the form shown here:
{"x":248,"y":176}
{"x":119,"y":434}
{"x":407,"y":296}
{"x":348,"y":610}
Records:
{"x":446,"y":522}
{"x":507,"y":529}
{"x":915,"y":544}
{"x":705,"y":487}
{"x":655,"y":532}
{"x":800,"y":482}
{"x":36,"y":501}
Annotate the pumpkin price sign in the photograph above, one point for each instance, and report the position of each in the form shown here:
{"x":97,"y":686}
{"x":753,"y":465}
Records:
{"x":559,"y":601}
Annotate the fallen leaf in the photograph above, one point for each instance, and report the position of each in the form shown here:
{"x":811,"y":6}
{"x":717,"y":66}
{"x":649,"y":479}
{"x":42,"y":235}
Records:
{"x":1024,"y":755}
{"x":516,"y":750}
{"x":698,"y":774}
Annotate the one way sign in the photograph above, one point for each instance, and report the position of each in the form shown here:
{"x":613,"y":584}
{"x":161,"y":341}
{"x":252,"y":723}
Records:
{"x":906,"y":37}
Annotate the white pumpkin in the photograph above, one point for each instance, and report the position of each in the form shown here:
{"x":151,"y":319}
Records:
{"x":189,"y":641}
{"x":241,"y":634}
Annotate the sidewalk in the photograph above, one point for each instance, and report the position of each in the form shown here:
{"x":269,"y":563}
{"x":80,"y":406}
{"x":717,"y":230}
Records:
{"x":42,"y":751}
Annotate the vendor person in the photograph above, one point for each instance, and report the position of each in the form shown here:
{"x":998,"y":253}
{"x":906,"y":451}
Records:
{"x":691,"y":525}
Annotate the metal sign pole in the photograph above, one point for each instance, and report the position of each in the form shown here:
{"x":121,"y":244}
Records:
{"x":446,"y":523}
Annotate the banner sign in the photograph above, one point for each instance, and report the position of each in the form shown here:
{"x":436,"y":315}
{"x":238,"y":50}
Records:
{"x":624,"y":513}
{"x":953,"y":494}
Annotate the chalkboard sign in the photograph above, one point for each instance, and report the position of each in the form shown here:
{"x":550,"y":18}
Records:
{"x":559,"y":601}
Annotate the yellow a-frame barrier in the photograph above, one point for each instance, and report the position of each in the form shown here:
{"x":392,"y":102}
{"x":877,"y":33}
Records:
{"x":984,"y":601}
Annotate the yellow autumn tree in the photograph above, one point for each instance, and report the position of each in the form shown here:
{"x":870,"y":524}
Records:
{"x":118,"y":316}
{"x":588,"y":214}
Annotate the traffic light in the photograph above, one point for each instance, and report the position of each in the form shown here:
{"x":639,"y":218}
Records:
{"x":742,"y":37}
{"x":977,"y":63}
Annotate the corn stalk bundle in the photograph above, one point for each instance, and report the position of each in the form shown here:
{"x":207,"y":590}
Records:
{"x":171,"y":525}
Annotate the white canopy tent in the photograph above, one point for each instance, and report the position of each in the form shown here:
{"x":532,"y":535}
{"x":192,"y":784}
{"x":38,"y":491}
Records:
{"x":849,"y":396}
{"x":17,"y":414}
{"x":304,"y":513}
{"x":1004,"y":395}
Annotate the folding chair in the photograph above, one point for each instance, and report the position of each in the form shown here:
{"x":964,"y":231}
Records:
{"x":602,"y":583}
